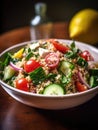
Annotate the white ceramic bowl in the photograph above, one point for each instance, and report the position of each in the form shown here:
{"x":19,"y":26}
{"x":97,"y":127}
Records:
{"x":51,"y":102}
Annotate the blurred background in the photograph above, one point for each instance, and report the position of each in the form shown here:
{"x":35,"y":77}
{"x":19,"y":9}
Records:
{"x":18,"y":13}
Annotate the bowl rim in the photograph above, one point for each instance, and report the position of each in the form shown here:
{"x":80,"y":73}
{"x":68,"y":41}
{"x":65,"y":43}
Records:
{"x":3,"y":84}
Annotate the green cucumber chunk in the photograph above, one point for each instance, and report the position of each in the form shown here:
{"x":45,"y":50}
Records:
{"x":8,"y":72}
{"x":54,"y":89}
{"x":66,"y":68}
{"x":94,"y":81}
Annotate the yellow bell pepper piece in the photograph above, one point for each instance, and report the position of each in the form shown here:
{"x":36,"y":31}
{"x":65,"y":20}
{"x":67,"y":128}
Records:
{"x":18,"y":54}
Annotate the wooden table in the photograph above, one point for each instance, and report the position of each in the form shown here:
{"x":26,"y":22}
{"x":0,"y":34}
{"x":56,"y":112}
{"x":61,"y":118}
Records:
{"x":17,"y":116}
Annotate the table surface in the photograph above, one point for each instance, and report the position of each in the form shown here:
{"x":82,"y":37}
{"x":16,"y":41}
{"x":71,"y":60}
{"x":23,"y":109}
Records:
{"x":17,"y":116}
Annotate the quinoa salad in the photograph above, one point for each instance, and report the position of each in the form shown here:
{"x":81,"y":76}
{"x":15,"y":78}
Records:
{"x":50,"y":67}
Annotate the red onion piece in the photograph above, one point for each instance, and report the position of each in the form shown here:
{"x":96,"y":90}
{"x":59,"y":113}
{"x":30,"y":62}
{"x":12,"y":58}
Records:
{"x":15,"y":67}
{"x":82,"y":80}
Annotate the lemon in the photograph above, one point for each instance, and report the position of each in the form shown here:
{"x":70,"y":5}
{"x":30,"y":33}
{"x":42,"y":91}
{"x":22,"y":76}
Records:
{"x":84,"y":26}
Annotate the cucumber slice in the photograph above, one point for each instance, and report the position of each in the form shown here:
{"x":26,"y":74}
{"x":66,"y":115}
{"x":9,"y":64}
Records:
{"x":54,"y":89}
{"x":94,"y":81}
{"x":8,"y":72}
{"x":66,"y":68}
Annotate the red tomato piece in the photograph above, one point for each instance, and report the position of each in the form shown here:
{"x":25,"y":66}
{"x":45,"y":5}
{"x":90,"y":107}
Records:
{"x":62,"y":48}
{"x":31,"y":65}
{"x":80,"y":87}
{"x":86,"y":55}
{"x":52,"y":60}
{"x":22,"y":84}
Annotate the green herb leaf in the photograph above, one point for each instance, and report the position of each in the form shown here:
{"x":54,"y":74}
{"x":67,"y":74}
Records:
{"x":38,"y":76}
{"x":65,"y":80}
{"x":8,"y":58}
{"x":29,"y":55}
{"x":72,"y":45}
{"x":51,"y":76}
{"x":73,"y":52}
{"x":82,"y":62}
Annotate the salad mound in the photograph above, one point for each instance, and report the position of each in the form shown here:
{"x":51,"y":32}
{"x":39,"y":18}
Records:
{"x":50,"y":67}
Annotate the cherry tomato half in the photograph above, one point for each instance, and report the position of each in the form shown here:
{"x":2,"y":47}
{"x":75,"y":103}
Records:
{"x":62,"y":48}
{"x":52,"y":60}
{"x":22,"y":84}
{"x":80,"y":87}
{"x":31,"y":65}
{"x":86,"y":55}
